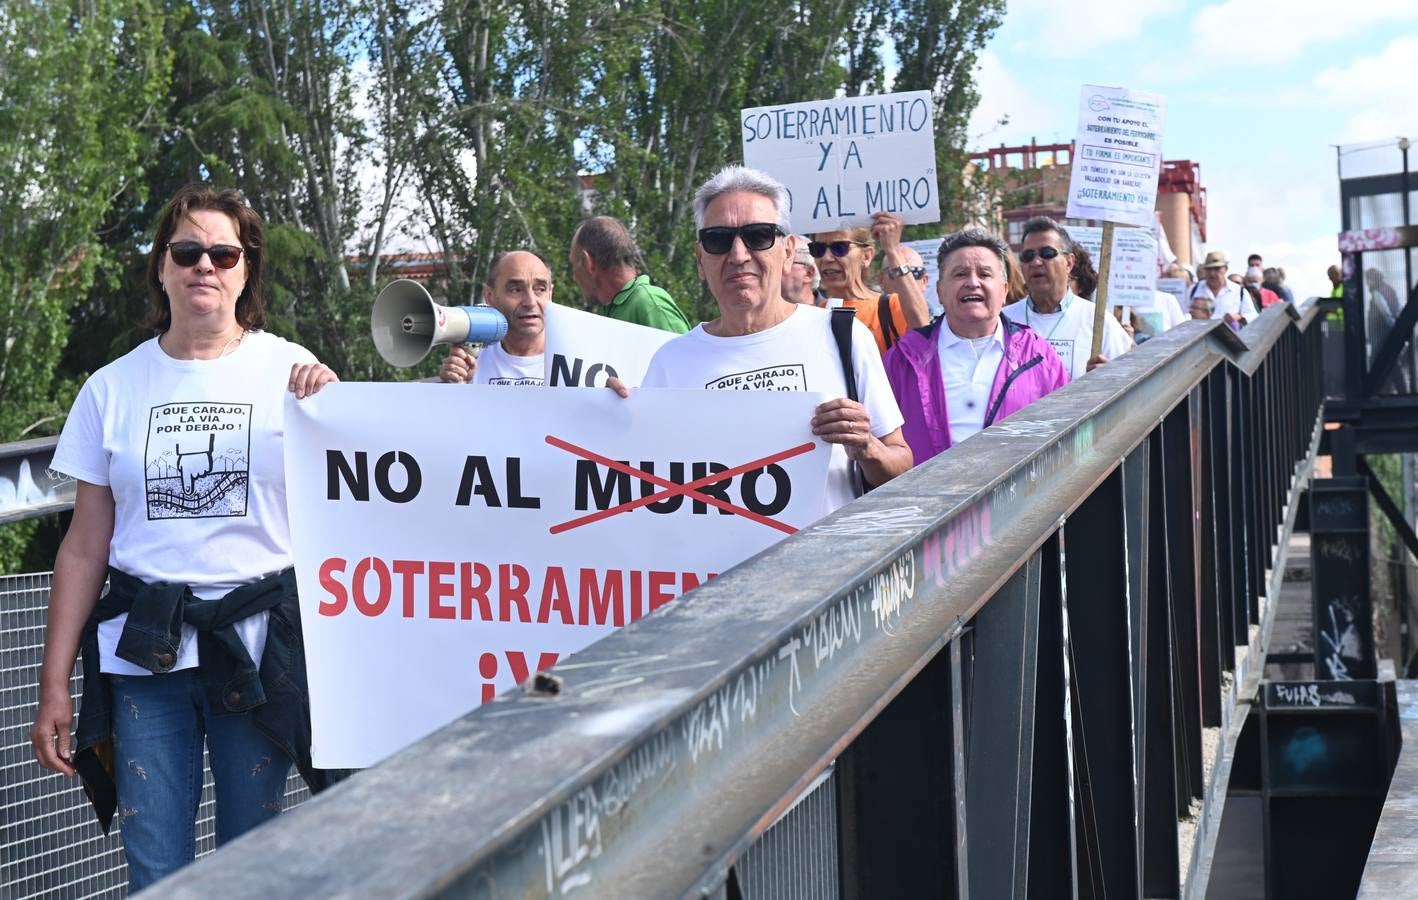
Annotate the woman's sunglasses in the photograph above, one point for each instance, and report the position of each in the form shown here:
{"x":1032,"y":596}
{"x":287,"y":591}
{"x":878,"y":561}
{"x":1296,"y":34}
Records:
{"x":718,"y":239}
{"x":1042,"y":253}
{"x":839,"y":248}
{"x":187,"y":253}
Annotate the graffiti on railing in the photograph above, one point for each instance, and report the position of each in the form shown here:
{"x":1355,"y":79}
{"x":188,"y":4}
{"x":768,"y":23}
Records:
{"x":1339,"y":637}
{"x":572,"y":833}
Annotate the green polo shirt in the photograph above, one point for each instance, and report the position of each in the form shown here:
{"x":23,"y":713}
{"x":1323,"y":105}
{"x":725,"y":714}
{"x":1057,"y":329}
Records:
{"x":645,"y":304}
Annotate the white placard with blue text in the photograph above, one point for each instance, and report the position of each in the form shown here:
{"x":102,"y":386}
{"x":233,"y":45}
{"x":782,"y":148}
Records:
{"x":1117,"y":156}
{"x":846,"y":158}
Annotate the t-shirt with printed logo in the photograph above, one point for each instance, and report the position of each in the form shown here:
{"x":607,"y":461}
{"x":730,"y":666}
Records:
{"x":192,"y":451}
{"x":797,"y":354}
{"x":497,"y":366}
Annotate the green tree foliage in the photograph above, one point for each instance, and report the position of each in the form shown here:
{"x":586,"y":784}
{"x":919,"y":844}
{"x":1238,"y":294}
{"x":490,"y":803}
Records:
{"x":80,"y":84}
{"x":492,"y":123}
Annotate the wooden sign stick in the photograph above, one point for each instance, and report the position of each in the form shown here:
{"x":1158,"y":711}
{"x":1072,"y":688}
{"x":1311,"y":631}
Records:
{"x":1100,"y":299}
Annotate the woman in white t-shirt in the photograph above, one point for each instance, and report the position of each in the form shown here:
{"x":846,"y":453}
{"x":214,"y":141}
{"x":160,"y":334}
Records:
{"x":180,"y":505}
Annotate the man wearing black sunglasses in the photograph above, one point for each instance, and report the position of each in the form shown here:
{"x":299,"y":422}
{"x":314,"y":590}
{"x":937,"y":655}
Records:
{"x":605,"y":263}
{"x":1052,"y":309}
{"x":761,"y":341}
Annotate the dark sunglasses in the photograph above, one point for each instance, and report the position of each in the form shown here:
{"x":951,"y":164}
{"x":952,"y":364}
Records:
{"x":719,"y":239}
{"x":1043,"y":253}
{"x":839,"y":248}
{"x":187,"y":253}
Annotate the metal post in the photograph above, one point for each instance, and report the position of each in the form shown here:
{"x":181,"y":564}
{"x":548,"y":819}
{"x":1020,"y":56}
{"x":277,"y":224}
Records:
{"x":1000,"y":742}
{"x":1096,"y":609}
{"x":897,"y":803}
{"x":1051,"y":832}
{"x":1407,"y":458}
{"x":1343,"y":609}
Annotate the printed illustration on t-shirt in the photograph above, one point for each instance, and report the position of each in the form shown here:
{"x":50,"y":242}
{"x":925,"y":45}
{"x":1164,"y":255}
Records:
{"x":198,"y":460}
{"x":792,"y":377}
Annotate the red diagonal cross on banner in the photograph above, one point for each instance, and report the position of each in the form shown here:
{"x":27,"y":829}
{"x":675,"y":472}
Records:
{"x":689,"y":489}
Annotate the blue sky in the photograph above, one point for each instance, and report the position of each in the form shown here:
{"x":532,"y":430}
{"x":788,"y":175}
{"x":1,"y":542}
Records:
{"x":1257,"y":92}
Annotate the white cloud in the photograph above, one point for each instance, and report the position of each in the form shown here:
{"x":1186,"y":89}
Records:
{"x":1290,"y":220}
{"x":1030,"y":112}
{"x":1248,"y":33}
{"x":1378,"y":91}
{"x":1082,"y":26}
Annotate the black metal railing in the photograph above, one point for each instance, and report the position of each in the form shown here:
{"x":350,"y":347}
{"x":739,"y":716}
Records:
{"x":1015,"y":669}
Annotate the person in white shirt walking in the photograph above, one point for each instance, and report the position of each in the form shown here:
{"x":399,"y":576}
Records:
{"x":1229,"y":300}
{"x":1060,"y":316}
{"x":518,"y":286}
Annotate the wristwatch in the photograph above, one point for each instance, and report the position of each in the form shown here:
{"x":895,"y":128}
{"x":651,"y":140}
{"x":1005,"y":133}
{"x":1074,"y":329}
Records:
{"x":896,"y":271}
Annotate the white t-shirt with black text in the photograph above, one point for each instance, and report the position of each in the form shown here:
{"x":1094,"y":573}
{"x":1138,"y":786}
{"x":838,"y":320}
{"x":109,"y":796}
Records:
{"x":797,"y":354}
{"x":1069,"y":330}
{"x":497,"y":366}
{"x":191,"y":450}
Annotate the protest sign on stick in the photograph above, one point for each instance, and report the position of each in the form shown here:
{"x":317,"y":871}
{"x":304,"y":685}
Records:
{"x":1116,"y":163}
{"x":846,"y":158}
{"x":585,"y":350}
{"x":499,"y":530}
{"x":1132,"y":264}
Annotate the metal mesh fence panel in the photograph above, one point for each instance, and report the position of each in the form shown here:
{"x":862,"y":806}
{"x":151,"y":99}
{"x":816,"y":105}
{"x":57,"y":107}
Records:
{"x":797,"y":857}
{"x":50,"y":843}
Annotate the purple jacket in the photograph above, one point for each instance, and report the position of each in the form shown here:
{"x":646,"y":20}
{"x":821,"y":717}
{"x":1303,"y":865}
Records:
{"x":1030,"y":370}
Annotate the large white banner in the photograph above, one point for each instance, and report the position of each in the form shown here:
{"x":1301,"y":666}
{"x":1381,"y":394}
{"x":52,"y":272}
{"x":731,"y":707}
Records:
{"x":448,"y":544}
{"x":585,"y":350}
{"x":846,"y":158}
{"x":1133,"y":273}
{"x":1118,"y":156}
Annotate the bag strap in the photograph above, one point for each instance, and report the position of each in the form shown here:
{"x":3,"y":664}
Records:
{"x":886,"y":320}
{"x":842,"y":319}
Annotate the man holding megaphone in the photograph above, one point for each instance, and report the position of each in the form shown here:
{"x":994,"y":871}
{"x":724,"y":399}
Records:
{"x":518,"y":286}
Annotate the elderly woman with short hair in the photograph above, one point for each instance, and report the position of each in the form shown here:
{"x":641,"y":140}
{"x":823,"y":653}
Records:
{"x":972,"y":367}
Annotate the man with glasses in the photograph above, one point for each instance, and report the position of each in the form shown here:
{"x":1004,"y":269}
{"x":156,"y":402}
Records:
{"x":1052,"y":309}
{"x":761,"y":341}
{"x":605,"y":263}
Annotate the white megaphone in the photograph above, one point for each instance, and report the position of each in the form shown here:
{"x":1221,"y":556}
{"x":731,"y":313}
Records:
{"x":406,"y":323}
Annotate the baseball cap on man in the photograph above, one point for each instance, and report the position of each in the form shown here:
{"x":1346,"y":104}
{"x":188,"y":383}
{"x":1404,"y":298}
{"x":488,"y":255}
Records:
{"x":1215,"y":260}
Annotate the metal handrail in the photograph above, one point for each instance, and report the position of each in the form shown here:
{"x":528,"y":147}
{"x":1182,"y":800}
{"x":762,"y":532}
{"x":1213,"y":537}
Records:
{"x":28,"y":486}
{"x":649,"y":762}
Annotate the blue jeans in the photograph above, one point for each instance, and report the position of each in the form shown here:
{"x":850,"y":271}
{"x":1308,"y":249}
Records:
{"x":159,"y":722}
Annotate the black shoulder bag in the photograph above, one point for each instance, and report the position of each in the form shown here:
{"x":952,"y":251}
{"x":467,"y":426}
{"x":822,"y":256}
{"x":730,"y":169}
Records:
{"x":842,"y":319}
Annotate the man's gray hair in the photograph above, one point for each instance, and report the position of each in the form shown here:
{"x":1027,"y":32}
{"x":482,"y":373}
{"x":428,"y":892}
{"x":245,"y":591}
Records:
{"x":741,"y":178}
{"x":1044,"y":223}
{"x":974,"y":237}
